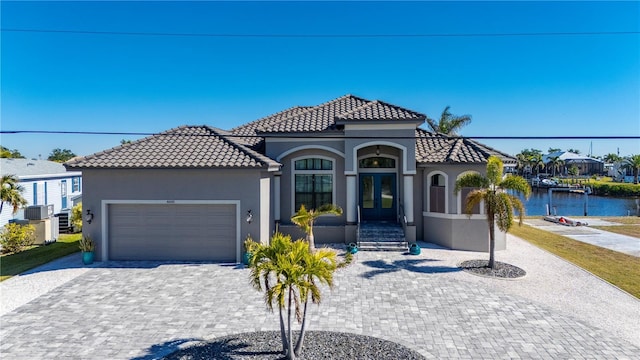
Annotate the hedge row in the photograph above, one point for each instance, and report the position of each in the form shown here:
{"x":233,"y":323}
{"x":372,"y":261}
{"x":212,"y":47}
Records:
{"x":615,"y":189}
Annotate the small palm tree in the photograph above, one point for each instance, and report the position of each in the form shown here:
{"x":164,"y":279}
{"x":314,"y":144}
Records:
{"x":290,"y":273}
{"x":449,"y":124}
{"x":11,"y":193}
{"x":306,"y":218}
{"x":499,"y":205}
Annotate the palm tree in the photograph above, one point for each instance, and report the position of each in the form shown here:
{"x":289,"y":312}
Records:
{"x":612,"y":158}
{"x":290,"y":273}
{"x":556,"y":163}
{"x":522,"y":162}
{"x":499,"y":205}
{"x":449,"y":124}
{"x":634,"y":162}
{"x":306,"y":218}
{"x":536,"y":161}
{"x":11,"y":192}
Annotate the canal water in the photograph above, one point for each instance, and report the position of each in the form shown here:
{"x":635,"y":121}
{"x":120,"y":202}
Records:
{"x":572,"y":204}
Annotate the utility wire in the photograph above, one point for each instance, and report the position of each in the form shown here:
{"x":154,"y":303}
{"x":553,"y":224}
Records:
{"x":323,"y":136}
{"x":355,"y":36}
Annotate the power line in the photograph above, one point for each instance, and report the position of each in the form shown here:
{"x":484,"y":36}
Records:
{"x":356,"y":36}
{"x":323,"y":136}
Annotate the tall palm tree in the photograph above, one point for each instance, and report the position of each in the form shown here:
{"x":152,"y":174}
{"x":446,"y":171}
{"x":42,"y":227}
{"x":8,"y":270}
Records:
{"x":556,"y":163}
{"x":290,"y":273}
{"x":634,"y":162}
{"x":522,"y":161}
{"x":449,"y":124}
{"x":499,"y":205}
{"x":536,"y":161}
{"x":306,"y":218}
{"x":11,"y":193}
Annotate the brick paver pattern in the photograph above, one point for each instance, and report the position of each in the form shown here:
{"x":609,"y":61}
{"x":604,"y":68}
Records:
{"x":143,"y":310}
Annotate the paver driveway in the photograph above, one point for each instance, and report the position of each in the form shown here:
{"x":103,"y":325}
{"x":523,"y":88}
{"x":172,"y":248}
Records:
{"x":144,"y":310}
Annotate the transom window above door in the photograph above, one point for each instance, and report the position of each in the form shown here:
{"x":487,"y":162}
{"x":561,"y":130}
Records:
{"x":314,"y":164}
{"x":377,"y":163}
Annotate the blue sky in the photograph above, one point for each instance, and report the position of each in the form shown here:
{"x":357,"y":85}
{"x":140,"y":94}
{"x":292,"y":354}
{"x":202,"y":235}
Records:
{"x":582,"y":85}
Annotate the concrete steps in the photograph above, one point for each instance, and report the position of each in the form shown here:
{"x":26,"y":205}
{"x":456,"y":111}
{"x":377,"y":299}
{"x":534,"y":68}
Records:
{"x":382,"y":236}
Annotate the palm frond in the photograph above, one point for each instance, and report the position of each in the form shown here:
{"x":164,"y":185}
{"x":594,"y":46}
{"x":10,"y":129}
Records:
{"x":472,"y":180}
{"x":474,"y":198}
{"x":517,"y":184}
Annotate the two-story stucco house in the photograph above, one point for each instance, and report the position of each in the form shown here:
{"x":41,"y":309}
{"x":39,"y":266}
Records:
{"x":195,"y":192}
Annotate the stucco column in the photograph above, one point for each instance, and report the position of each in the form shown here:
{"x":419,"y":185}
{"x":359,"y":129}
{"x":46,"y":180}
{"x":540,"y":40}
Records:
{"x":276,"y":198}
{"x":352,"y":200}
{"x":408,"y":198}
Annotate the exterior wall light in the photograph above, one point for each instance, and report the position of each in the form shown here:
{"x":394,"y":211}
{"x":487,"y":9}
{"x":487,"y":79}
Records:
{"x":249,"y":216}
{"x":89,"y":217}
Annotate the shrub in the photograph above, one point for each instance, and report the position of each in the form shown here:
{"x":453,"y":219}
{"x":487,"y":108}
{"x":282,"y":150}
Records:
{"x":615,"y":189}
{"x":15,"y":238}
{"x":76,"y":217}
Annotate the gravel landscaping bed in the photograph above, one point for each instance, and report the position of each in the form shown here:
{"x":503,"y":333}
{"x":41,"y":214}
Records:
{"x":502,"y":270}
{"x":317,"y":345}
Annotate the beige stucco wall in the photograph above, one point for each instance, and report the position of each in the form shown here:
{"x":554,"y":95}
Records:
{"x":174,"y":184}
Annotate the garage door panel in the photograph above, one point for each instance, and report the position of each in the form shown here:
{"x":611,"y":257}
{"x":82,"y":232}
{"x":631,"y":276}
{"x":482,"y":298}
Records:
{"x":172,"y":232}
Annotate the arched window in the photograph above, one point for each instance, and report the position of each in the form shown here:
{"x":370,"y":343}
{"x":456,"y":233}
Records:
{"x":313,"y":182}
{"x":438,"y":193}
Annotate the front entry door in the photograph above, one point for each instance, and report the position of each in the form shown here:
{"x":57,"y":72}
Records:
{"x":378,"y":196}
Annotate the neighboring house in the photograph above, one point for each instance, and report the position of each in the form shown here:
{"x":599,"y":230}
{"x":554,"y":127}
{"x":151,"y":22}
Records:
{"x":586,"y":165}
{"x":44,"y":182}
{"x":196,"y":192}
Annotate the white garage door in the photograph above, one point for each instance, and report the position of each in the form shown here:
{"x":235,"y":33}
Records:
{"x":173,"y":232}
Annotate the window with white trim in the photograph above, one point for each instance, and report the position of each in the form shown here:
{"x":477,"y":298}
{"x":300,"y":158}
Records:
{"x":75,"y":184}
{"x":313,"y":182}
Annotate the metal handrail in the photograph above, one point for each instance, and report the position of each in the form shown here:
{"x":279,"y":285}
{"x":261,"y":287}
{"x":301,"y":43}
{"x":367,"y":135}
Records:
{"x":403,"y":217}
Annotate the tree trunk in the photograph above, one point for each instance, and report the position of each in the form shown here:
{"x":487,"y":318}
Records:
{"x":492,"y":241}
{"x":303,"y":328}
{"x":283,"y":333}
{"x":311,"y":239}
{"x":635,"y":175}
{"x":290,"y":354}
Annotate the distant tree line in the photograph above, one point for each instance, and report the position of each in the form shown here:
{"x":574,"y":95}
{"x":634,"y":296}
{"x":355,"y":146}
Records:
{"x":57,"y":155}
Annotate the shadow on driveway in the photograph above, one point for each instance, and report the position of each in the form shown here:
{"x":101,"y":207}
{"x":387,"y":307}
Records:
{"x":415,"y":265}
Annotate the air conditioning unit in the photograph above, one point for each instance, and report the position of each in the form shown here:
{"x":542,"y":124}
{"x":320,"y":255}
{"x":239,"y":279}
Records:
{"x":38,"y":212}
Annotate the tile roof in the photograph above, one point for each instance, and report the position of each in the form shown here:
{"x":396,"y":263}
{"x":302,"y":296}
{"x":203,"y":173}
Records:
{"x":316,"y":118}
{"x":243,"y":146}
{"x":181,"y":147}
{"x":247,"y":132}
{"x":432,"y":148}
{"x":379,"y":110}
{"x":324,"y":117}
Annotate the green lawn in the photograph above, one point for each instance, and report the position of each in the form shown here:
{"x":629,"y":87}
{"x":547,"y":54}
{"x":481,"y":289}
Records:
{"x":619,"y":269}
{"x":14,"y":264}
